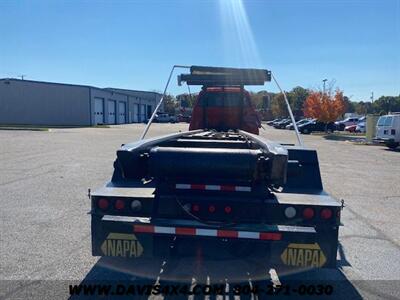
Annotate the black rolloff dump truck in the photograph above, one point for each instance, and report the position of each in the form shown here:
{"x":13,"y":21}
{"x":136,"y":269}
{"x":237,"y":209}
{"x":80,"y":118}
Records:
{"x":218,"y":187}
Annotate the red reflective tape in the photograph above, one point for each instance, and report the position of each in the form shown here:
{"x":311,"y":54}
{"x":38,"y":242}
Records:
{"x":185,"y":231}
{"x":227,"y":233}
{"x":143,"y":228}
{"x":198,"y":186}
{"x":228,"y":188}
{"x":277,"y":236}
{"x":270,"y":236}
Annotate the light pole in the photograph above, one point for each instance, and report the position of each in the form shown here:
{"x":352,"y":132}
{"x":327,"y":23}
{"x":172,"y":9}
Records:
{"x":325,"y":80}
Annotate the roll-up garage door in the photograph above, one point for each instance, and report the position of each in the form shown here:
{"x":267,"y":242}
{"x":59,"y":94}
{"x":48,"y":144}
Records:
{"x":98,"y":111}
{"x":135,"y":113}
{"x":111,"y":112}
{"x":142,"y":113}
{"x":121,"y":113}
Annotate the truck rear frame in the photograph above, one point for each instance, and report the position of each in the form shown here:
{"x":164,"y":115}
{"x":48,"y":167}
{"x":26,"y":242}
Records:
{"x":220,"y":191}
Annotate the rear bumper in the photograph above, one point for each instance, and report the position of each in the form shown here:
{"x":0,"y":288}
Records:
{"x":288,"y":246}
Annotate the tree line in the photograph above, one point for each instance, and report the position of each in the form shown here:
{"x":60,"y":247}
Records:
{"x":274,"y":103}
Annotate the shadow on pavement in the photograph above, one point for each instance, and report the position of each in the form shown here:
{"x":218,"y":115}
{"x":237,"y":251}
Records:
{"x":393,"y":150}
{"x":179,"y":272}
{"x":339,"y":137}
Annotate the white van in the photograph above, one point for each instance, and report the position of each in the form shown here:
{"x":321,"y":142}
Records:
{"x":388,"y":130}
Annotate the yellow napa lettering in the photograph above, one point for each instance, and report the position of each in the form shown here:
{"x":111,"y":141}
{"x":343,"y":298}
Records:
{"x":300,"y":258}
{"x":119,"y":248}
{"x":291,"y":257}
{"x":121,"y":245}
{"x":303,"y":255}
{"x":111,"y":247}
{"x":307,"y":256}
{"x":126,"y":246}
{"x":316,"y":259}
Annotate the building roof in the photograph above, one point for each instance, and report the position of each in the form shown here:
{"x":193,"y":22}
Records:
{"x":124,"y":92}
{"x":132,"y":91}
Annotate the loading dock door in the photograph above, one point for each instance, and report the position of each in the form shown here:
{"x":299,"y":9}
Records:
{"x":121,"y":113}
{"x":149,"y":112}
{"x":142,"y":113}
{"x":98,"y":111}
{"x":135,"y":113}
{"x":111,"y":112}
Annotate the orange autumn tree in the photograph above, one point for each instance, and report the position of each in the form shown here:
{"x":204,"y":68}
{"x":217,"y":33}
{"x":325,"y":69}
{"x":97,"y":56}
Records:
{"x":325,"y":107}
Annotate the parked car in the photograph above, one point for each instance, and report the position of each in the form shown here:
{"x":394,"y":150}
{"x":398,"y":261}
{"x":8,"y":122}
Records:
{"x":164,"y":118}
{"x":361,"y":127}
{"x":279,"y":121}
{"x":183,"y":118}
{"x":314,"y":125}
{"x":388,"y":130}
{"x":341,"y":125}
{"x":270,"y":123}
{"x":282,"y":124}
{"x":351,"y":128}
{"x":298,"y":123}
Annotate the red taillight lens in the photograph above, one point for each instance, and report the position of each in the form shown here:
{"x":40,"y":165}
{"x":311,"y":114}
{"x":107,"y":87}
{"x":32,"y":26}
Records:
{"x":228,"y":209}
{"x":326,"y":213}
{"x":308,"y":213}
{"x":195,"y":208}
{"x":119,"y":204}
{"x":103,"y":204}
{"x":211,"y":208}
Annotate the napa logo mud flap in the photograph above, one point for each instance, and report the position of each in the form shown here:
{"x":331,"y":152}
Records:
{"x":303,"y":255}
{"x":122,"y":245}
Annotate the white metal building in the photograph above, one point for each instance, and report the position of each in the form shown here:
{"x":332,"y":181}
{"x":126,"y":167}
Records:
{"x":47,"y":103}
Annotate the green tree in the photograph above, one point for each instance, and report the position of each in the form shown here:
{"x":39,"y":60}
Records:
{"x":170,"y":104}
{"x":258,"y":99}
{"x":363,"y":108}
{"x":278,"y":106}
{"x":186,"y":100}
{"x":297,"y":96}
{"x":349,"y":105}
{"x":387,"y":104}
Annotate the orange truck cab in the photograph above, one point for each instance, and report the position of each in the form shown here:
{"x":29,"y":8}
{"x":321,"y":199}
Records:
{"x":225,"y":108}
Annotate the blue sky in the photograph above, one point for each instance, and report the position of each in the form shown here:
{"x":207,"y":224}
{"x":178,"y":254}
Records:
{"x":133,"y":44}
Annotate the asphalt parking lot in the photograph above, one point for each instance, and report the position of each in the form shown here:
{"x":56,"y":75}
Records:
{"x":45,"y":229}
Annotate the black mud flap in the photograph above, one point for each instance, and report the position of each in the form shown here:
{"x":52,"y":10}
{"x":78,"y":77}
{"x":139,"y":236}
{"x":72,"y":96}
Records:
{"x":308,"y":254}
{"x":316,"y":249}
{"x":117,"y":239}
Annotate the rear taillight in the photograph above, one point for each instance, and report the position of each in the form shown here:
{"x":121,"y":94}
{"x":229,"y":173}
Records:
{"x":195,"y":208}
{"x":103,"y":203}
{"x":187,"y":207}
{"x":290,"y":212}
{"x":136,"y":205}
{"x":308,"y":213}
{"x":211,"y":209}
{"x":228,"y":209}
{"x":326,"y":213}
{"x":119,"y":204}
